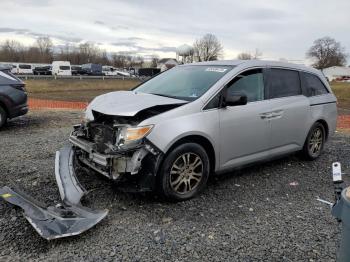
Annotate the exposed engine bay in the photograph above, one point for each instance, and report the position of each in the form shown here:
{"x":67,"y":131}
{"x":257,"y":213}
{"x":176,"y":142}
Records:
{"x":102,"y":145}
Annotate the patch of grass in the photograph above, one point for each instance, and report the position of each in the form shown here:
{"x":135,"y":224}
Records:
{"x":342,"y":92}
{"x":75,"y":89}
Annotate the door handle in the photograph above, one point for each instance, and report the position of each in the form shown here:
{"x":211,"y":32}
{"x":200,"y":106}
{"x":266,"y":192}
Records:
{"x":277,"y":113}
{"x":266,"y":115}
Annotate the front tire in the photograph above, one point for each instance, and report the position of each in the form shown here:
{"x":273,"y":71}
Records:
{"x":314,"y":143}
{"x":184,"y":172}
{"x":3,"y":117}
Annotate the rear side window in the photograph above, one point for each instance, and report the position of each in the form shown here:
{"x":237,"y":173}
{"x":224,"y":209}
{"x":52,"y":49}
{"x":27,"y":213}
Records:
{"x":314,"y":85}
{"x":283,"y":83}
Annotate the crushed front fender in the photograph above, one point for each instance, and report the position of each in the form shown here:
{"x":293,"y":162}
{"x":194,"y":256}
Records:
{"x":68,"y":218}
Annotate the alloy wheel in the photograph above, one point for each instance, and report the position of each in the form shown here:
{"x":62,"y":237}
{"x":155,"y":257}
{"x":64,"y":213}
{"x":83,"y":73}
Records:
{"x":316,"y":141}
{"x":186,"y":173}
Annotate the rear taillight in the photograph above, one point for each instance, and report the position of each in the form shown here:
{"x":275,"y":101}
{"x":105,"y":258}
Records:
{"x":19,"y":87}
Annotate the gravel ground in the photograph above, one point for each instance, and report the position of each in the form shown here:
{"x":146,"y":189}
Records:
{"x":252,"y":214}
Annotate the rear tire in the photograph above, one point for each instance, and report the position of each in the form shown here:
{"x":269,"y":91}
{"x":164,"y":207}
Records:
{"x":314,"y":143}
{"x":184,"y":172}
{"x":3,"y":117}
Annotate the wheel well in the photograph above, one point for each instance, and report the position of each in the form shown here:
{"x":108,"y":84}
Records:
{"x":204,"y":142}
{"x":5,"y":108}
{"x":325,"y":125}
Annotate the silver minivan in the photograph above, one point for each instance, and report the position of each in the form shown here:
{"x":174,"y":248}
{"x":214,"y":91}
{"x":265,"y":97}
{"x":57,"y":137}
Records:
{"x":174,"y":130}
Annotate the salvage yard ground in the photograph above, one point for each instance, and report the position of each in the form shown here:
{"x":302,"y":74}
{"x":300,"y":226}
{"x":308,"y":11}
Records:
{"x":266,"y":212}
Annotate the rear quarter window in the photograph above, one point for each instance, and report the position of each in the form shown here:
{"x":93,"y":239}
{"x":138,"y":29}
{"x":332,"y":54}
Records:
{"x":313,"y":85}
{"x":283,"y":83}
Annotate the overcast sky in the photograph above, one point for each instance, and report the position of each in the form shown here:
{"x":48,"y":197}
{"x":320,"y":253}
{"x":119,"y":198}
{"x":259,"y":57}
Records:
{"x":279,"y":28}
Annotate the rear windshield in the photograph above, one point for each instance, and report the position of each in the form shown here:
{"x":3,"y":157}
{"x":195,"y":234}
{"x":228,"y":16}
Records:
{"x":184,"y":82}
{"x":64,"y":67}
{"x":25,"y":66}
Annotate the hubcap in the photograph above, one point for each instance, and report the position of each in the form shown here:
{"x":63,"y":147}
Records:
{"x":316,"y":140}
{"x":186,"y":173}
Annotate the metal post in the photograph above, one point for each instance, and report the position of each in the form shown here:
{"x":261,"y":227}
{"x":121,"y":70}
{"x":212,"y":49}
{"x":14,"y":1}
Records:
{"x":341,"y":210}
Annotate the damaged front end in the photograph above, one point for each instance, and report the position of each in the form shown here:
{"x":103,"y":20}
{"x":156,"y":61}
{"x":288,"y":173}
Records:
{"x":116,"y":147}
{"x":110,"y":144}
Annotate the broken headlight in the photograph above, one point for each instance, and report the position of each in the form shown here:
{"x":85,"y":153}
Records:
{"x":129,"y":135}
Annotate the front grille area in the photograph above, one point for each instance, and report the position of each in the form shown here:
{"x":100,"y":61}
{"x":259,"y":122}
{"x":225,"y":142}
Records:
{"x":101,"y":135}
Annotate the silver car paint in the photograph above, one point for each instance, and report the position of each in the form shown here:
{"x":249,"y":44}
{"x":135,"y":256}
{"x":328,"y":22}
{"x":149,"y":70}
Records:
{"x":126,"y":103}
{"x":240,"y":134}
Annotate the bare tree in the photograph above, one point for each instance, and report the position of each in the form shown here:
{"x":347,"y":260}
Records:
{"x":327,"y":52}
{"x":65,"y":53}
{"x":11,"y":51}
{"x":45,"y":47}
{"x":257,"y":54}
{"x":208,"y":48}
{"x":154,"y":60}
{"x":251,"y":55}
{"x":245,"y":56}
{"x":120,"y":60}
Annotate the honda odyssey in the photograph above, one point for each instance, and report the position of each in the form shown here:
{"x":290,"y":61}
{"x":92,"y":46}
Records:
{"x":174,"y":130}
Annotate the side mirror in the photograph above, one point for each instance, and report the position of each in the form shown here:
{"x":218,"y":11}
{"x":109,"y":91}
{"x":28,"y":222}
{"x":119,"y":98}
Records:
{"x":237,"y":99}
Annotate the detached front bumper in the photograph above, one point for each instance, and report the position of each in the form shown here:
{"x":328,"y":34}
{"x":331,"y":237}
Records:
{"x":64,"y":219}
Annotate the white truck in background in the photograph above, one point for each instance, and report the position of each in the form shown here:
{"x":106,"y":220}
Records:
{"x":61,"y":68}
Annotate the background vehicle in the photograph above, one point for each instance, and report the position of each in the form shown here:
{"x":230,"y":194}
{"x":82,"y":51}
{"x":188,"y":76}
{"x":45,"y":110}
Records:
{"x":42,"y":70}
{"x":92,"y":69}
{"x":148,"y":71}
{"x":62,"y":68}
{"x":172,"y":131}
{"x":76,"y":70}
{"x":109,"y":71}
{"x":13,"y":96}
{"x":25,"y":69}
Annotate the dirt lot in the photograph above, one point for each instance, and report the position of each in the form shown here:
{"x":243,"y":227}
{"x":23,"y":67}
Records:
{"x":252,"y":214}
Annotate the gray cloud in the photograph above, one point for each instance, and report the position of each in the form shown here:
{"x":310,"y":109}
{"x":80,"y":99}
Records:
{"x":156,"y":49}
{"x":28,"y":32}
{"x":36,"y":3}
{"x":97,"y":22}
{"x":13,"y":30}
{"x":128,"y":41}
{"x":278,"y":28}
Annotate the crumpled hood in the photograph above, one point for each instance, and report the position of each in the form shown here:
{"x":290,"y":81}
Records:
{"x":127,"y":103}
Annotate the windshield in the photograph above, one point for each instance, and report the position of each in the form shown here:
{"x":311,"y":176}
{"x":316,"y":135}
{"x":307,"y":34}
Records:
{"x":184,"y":82}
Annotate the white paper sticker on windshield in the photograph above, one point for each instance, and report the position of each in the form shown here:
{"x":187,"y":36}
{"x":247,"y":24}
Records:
{"x":216,"y":69}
